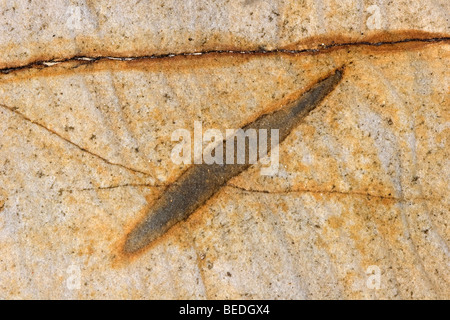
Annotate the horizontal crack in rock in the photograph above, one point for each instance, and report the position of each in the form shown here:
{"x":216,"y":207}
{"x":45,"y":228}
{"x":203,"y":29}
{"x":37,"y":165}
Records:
{"x":271,"y":192}
{"x":353,"y":193}
{"x":323,"y":47}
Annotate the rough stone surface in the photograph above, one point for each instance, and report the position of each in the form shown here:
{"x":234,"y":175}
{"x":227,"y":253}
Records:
{"x":85,"y":149}
{"x":45,"y":30}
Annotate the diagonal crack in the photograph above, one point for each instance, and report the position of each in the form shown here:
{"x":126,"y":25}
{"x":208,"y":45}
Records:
{"x":133,"y":185}
{"x":54,"y":133}
{"x":39,"y":64}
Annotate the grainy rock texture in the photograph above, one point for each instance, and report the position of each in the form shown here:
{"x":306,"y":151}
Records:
{"x":85,"y":147}
{"x":45,"y":30}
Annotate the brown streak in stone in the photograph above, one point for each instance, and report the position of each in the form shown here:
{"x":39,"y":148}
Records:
{"x":377,"y":39}
{"x":384,"y":41}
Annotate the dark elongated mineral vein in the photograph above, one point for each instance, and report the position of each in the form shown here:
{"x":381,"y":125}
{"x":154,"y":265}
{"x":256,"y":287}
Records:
{"x":201,"y":181}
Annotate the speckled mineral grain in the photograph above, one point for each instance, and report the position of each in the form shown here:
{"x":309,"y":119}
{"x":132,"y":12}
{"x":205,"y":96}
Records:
{"x":358,"y":209}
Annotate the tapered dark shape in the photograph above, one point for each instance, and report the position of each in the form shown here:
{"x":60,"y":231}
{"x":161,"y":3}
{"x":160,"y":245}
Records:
{"x":201,"y":181}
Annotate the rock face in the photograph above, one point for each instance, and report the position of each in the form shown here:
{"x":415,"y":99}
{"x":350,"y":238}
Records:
{"x":41,"y":30}
{"x":358,"y":209}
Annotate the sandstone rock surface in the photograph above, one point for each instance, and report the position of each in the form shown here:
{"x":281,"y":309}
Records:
{"x":85,"y":146}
